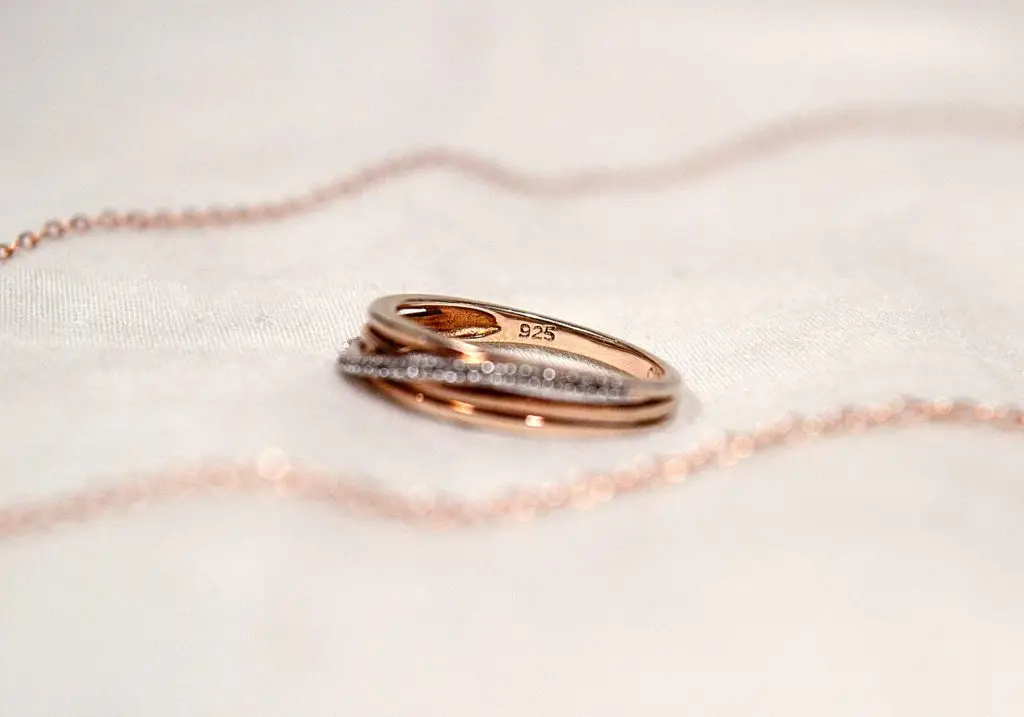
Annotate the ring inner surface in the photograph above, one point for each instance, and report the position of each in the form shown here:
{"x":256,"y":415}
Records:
{"x":485,"y":326}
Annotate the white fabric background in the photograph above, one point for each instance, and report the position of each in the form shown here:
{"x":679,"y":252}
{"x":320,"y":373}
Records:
{"x":879,"y":575}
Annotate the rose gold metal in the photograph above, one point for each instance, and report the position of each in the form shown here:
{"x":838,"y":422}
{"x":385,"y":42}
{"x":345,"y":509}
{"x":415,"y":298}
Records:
{"x":470,"y":325}
{"x":474,"y":332}
{"x":276,"y":475}
{"x":968,"y":120}
{"x":647,"y":412}
{"x":525,"y":415}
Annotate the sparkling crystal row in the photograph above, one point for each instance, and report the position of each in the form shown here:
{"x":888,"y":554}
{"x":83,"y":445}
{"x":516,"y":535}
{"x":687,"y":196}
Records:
{"x":534,"y":379}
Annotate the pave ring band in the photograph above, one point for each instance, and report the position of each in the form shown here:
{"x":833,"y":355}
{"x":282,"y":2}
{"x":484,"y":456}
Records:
{"x":495,"y":366}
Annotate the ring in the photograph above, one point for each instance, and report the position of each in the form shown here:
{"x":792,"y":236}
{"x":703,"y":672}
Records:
{"x":493,"y":366}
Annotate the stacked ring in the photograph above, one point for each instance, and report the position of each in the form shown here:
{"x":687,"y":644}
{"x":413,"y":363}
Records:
{"x":463,"y":360}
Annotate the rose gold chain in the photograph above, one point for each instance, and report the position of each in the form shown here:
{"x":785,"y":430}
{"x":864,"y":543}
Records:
{"x":275,"y":474}
{"x":974,"y":121}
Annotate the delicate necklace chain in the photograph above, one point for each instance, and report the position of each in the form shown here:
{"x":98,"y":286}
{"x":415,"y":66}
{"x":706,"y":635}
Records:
{"x":275,"y":474}
{"x":971,"y":121}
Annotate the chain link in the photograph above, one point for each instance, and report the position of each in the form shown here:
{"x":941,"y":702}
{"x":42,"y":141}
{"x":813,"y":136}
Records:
{"x":276,"y":475}
{"x":974,"y":121}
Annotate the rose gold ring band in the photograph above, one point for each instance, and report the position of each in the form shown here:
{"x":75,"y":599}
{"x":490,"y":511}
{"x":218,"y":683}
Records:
{"x":477,"y":363}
